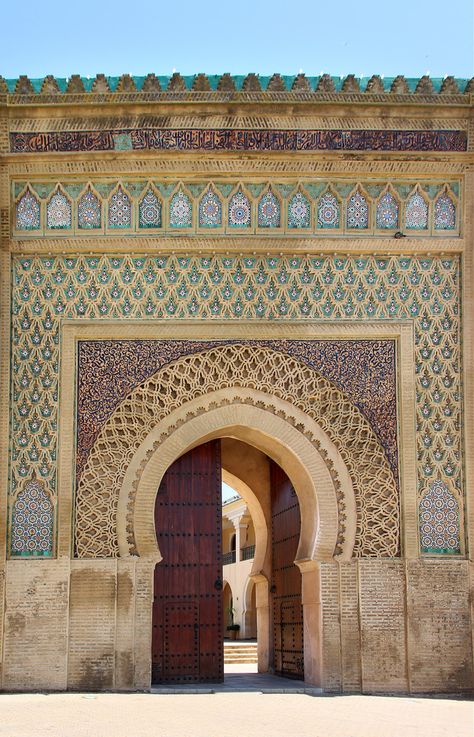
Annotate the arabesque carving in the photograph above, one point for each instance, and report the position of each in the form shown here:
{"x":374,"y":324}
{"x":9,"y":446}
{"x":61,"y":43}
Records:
{"x":276,"y":375}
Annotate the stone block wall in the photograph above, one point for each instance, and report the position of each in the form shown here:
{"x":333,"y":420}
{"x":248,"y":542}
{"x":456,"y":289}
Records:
{"x":71,"y":624}
{"x":36,"y":625}
{"x":390,"y":626}
{"x":92,"y":624}
{"x":397,"y":626}
{"x":2,"y":607}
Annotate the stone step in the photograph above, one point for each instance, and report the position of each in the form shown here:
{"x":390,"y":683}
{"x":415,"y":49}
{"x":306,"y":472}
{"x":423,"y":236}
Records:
{"x":240,"y":652}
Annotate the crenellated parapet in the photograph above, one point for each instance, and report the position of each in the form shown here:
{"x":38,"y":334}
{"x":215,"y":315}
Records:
{"x":225,"y":86}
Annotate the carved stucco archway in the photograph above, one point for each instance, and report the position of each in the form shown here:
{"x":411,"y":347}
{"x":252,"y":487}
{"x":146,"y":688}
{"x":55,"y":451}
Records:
{"x":229,"y":414}
{"x":348,"y":494}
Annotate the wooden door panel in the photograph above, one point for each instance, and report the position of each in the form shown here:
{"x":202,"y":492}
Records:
{"x":181,"y":651}
{"x":187,"y":642}
{"x":287,"y":610}
{"x":292,"y":638}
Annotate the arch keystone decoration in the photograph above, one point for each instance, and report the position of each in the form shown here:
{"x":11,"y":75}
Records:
{"x":348,"y":494}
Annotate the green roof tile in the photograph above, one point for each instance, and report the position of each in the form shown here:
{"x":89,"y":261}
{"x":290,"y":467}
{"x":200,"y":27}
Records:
{"x":238,"y":79}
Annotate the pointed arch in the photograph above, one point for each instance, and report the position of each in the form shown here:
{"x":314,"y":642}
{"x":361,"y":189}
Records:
{"x":387,"y":210}
{"x":119,"y":209}
{"x":89,"y":209}
{"x":239,"y":208}
{"x":58,"y":210}
{"x":180,"y":213}
{"x":150,"y":208}
{"x":440,"y":520}
{"x":417,"y":210}
{"x":358,"y":209}
{"x":299,"y":209}
{"x":32,"y":521}
{"x":27,"y":210}
{"x":210,"y":209}
{"x":328,"y":210}
{"x":269,"y":209}
{"x":445,"y":210}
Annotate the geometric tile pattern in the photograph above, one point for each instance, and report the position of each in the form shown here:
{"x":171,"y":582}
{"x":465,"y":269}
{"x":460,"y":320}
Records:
{"x":212,"y":200}
{"x":299,"y":211}
{"x":210,"y":210}
{"x":149,"y":210}
{"x":120,"y":210}
{"x":416,"y":213}
{"x":268,"y":211}
{"x":239,"y":211}
{"x":444,"y":213}
{"x":89,"y":211}
{"x":181,"y":210}
{"x":439,"y":520}
{"x":357,"y":211}
{"x":28,"y":212}
{"x":59,"y":212}
{"x":32,"y":522}
{"x":328,"y":211}
{"x":47,"y":289}
{"x":387,"y":212}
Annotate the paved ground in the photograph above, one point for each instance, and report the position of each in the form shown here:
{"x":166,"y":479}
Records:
{"x":217,"y":715}
{"x":243,"y":679}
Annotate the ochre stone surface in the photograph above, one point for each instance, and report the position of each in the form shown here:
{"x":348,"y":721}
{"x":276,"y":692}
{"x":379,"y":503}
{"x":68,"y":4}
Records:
{"x":92,"y":625}
{"x":395,"y":626}
{"x":36,"y":625}
{"x":398,"y":624}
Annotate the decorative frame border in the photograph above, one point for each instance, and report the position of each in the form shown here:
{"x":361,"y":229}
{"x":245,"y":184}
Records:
{"x":362,"y":185}
{"x":402,"y":332}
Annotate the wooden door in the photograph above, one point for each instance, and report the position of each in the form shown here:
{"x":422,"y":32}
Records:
{"x":187,"y":641}
{"x":286,"y":577}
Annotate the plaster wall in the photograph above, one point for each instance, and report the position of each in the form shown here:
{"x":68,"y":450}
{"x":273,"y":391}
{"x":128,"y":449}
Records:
{"x":236,"y":575}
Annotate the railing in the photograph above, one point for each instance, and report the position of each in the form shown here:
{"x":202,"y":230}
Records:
{"x":247,"y":553}
{"x":228,"y":558}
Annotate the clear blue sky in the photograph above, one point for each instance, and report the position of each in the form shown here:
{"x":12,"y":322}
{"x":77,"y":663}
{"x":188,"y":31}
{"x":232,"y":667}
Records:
{"x":227,"y":492}
{"x":362,"y":37}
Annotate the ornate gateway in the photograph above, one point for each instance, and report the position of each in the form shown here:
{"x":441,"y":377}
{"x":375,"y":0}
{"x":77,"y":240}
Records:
{"x":284,"y":298}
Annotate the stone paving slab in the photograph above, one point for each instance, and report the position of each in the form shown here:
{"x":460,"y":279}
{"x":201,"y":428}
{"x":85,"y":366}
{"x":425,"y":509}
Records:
{"x":243,"y":682}
{"x":248,"y":714}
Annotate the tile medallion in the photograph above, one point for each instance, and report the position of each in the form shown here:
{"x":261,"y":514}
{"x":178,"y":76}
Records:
{"x":149,"y":210}
{"x":89,"y":211}
{"x":28,"y":212}
{"x":59,"y":212}
{"x":416,"y":213}
{"x":239,"y":212}
{"x":386,"y":214}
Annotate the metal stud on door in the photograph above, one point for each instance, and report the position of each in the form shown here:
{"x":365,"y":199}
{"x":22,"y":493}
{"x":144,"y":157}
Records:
{"x":187,"y":641}
{"x":286,"y":577}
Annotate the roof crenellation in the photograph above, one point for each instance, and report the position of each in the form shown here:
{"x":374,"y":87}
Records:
{"x":277,"y":84}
